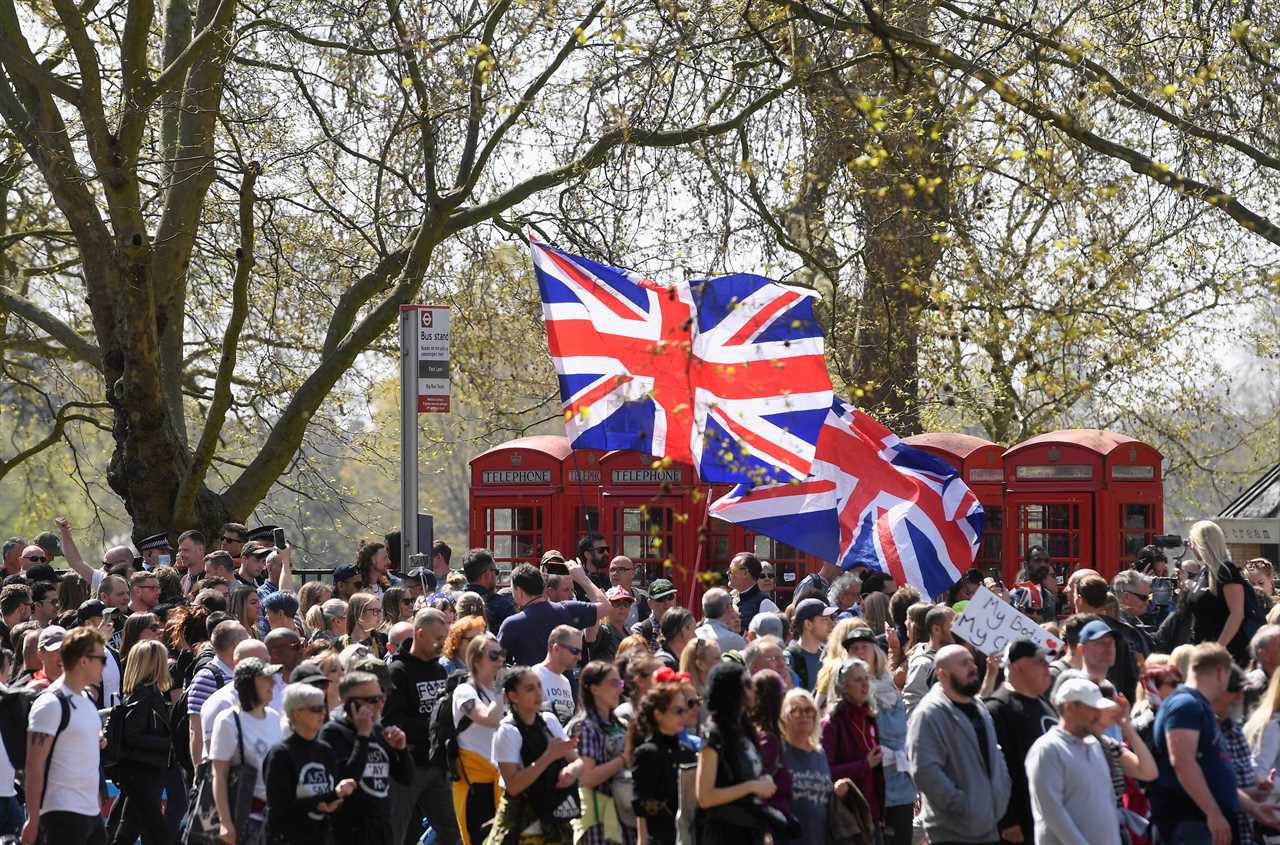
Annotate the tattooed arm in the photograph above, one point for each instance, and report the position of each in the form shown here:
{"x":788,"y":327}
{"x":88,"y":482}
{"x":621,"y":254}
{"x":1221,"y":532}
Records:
{"x":38,"y":747}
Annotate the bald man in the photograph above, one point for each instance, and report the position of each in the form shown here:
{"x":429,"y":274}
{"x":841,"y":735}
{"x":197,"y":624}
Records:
{"x":622,"y":573}
{"x":963,"y":780}
{"x":225,"y":697}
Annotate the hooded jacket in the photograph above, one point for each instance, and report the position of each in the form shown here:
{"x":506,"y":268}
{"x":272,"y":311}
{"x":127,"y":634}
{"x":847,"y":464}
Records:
{"x":416,"y":685}
{"x":373,"y":765}
{"x":960,"y":801}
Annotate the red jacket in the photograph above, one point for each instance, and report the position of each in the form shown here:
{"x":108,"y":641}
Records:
{"x":847,"y":735}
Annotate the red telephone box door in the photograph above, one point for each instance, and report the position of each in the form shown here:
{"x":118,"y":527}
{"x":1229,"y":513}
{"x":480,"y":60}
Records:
{"x":515,"y":531}
{"x":644,"y":528}
{"x":1060,"y":522}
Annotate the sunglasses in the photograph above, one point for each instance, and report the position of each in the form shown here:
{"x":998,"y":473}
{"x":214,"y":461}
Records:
{"x":572,"y":649}
{"x":314,"y":708}
{"x":36,"y":558}
{"x":407,"y":602}
{"x":369,"y":699}
{"x":101,"y":657}
{"x":227,"y":539}
{"x":766,"y":576}
{"x":679,"y":711}
{"x":497,"y":656}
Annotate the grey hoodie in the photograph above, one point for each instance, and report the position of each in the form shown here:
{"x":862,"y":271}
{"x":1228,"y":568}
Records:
{"x":960,"y":803}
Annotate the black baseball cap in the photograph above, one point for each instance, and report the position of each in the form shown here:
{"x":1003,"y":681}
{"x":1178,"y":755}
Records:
{"x":1020,"y":648}
{"x":345,"y":572}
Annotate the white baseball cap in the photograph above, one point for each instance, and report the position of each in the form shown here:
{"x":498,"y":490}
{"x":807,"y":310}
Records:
{"x":1081,"y":691}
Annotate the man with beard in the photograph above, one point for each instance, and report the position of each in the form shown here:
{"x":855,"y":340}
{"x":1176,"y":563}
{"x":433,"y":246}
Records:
{"x":955,"y":759}
{"x":1028,"y":593}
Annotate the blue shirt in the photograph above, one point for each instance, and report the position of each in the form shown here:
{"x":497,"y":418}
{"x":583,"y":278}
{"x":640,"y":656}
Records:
{"x":524,"y":634}
{"x":1187,"y":709}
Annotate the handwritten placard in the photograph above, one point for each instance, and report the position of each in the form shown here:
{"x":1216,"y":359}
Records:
{"x":991,"y":623}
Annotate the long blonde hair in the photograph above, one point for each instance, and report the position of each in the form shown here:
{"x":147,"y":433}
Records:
{"x":1210,"y":545}
{"x":148,"y":664}
{"x":835,"y":655}
{"x":1263,"y":714}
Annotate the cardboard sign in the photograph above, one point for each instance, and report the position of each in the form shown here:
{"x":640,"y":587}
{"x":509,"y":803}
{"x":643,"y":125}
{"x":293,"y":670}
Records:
{"x":991,"y":623}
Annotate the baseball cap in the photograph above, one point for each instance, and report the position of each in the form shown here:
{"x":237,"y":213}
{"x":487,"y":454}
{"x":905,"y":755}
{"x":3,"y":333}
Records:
{"x":813,"y":608}
{"x":255,"y":549}
{"x":1020,"y":648}
{"x":43,"y":572}
{"x":281,"y":602}
{"x":858,"y":634}
{"x":1081,"y":691}
{"x":423,"y":576}
{"x":91,"y":609}
{"x":256,"y":667}
{"x":1094,"y":630}
{"x":307,"y":672}
{"x":550,"y":555}
{"x":619,"y":594}
{"x":766,"y":625}
{"x":51,"y":638}
{"x":661,"y":590}
{"x":49,"y":542}
{"x":345,"y":572}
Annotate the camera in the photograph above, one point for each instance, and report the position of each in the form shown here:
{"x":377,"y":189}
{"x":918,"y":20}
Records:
{"x":1167,"y":541}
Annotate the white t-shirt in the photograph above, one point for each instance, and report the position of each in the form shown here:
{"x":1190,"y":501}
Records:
{"x":73,"y":769}
{"x":7,"y":773}
{"x":95,"y":581}
{"x":260,"y":735}
{"x":476,"y":737}
{"x":506,"y":740}
{"x":557,"y":695}
{"x":225,"y":698}
{"x":111,"y":681}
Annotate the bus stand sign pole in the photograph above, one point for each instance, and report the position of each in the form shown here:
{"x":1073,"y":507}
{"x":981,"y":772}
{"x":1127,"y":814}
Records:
{"x":424,"y":388}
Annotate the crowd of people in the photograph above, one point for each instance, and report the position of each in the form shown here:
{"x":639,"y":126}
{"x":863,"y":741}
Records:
{"x":213,"y":701}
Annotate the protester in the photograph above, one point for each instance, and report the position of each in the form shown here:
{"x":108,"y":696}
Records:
{"x":245,"y":734}
{"x":603,"y":750}
{"x":147,"y":735}
{"x":1068,"y":775}
{"x":612,"y":629}
{"x":804,"y":760}
{"x":658,"y":755}
{"x":482,"y":578}
{"x":538,"y":765}
{"x":766,"y":718}
{"x":478,"y":708}
{"x":461,"y":633}
{"x":955,"y":758}
{"x":745,"y":570}
{"x":730,"y":774}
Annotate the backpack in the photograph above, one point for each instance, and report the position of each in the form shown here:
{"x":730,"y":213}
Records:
{"x":113,"y":751}
{"x":444,"y":750}
{"x":800,"y":666}
{"x":15,"y":710}
{"x":180,"y":722}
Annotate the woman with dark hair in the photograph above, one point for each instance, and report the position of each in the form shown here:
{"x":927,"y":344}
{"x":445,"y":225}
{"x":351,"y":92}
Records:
{"x":655,"y":735}
{"x":730,"y":777}
{"x":637,"y":677}
{"x":244,"y":734}
{"x":677,"y":629}
{"x":396,"y":606}
{"x":187,"y":632}
{"x":538,"y":766}
{"x":244,"y":607}
{"x":73,"y":591}
{"x":138,"y":628}
{"x":766,"y":718}
{"x":604,"y":752}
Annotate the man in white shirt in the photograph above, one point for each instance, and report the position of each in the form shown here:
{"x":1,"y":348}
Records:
{"x":564,"y":648}
{"x":225,"y":697}
{"x":63,"y":752}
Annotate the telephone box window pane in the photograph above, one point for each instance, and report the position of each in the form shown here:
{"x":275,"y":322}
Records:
{"x":501,"y":519}
{"x":502,"y":546}
{"x":525,"y":546}
{"x":1137,"y":516}
{"x":1133,"y":544}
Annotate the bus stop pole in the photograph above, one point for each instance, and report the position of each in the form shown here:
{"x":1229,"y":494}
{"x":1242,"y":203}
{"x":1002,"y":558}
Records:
{"x":408,"y":435}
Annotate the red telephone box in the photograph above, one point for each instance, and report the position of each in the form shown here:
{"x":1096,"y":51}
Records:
{"x":981,"y":465}
{"x":579,"y":505}
{"x":650,"y":514}
{"x":514,"y":491}
{"x":1062,"y":493}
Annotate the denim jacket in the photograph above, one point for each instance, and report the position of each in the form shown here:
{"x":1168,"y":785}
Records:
{"x":891,"y":723}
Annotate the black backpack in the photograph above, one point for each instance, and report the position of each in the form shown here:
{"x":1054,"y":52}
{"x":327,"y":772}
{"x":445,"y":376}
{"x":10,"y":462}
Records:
{"x":180,"y":724}
{"x":800,"y":666}
{"x":443,"y":753}
{"x":15,"y":709}
{"x":113,"y":751}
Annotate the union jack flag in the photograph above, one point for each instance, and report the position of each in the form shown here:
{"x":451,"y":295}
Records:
{"x":726,"y":374}
{"x":870,"y":500}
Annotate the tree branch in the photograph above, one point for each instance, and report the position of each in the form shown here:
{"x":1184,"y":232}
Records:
{"x":73,"y":341}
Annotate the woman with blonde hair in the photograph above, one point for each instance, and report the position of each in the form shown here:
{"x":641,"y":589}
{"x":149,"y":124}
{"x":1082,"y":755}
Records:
{"x":469,"y":604}
{"x":802,"y":756}
{"x":1263,"y":729}
{"x":697,"y":659}
{"x":476,"y":792}
{"x":1221,"y":599}
{"x":834,"y":655}
{"x":147,"y":739}
{"x":364,"y":619}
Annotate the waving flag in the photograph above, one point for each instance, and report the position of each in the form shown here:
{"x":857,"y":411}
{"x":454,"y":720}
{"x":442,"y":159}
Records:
{"x":727,"y":373}
{"x":871,"y":500}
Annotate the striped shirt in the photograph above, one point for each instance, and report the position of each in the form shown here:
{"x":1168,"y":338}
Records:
{"x":205,"y":683}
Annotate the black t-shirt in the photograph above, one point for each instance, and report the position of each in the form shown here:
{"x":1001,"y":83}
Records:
{"x":656,"y":772}
{"x":1019,"y":721}
{"x":373,"y":765}
{"x":415,"y":687}
{"x":970,"y":710}
{"x":1209,"y":611}
{"x":299,"y":777}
